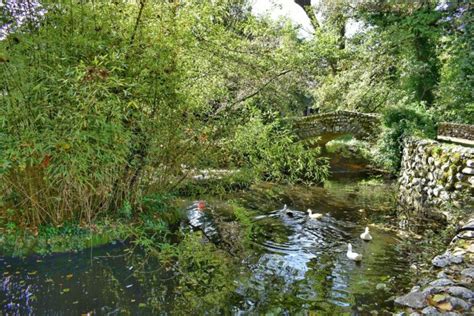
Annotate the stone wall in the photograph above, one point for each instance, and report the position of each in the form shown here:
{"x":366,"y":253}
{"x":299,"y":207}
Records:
{"x":454,"y":130}
{"x":450,"y":286}
{"x":434,"y":173}
{"x":331,"y":125}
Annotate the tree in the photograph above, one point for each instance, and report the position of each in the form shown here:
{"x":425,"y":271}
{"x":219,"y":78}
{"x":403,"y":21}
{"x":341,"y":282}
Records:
{"x":308,"y":9}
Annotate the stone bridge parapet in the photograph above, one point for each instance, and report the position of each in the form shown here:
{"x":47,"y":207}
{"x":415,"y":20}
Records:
{"x":331,"y":125}
{"x":456,"y":133}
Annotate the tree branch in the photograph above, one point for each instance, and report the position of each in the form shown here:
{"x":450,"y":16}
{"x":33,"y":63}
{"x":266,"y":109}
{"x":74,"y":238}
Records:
{"x":137,"y":21}
{"x":254,"y":93}
{"x":308,"y":9}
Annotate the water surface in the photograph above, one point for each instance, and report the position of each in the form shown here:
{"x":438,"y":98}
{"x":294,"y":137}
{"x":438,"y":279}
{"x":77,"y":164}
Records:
{"x":293,"y":264}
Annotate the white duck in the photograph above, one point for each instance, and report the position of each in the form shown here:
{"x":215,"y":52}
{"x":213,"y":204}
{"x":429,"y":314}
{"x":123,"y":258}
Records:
{"x":314,"y":215}
{"x":288,"y":211}
{"x":353,"y":255}
{"x":366,"y":235}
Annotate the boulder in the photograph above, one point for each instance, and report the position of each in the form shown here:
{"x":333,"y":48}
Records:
{"x":430,"y":310}
{"x":413,"y":299}
{"x":458,"y":303}
{"x":469,"y":272}
{"x":441,"y":282}
{"x":468,"y":170}
{"x":446,"y":259}
{"x":461,"y":292}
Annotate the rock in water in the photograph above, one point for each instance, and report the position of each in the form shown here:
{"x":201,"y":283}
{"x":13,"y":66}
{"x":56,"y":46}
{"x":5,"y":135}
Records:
{"x":413,"y":300}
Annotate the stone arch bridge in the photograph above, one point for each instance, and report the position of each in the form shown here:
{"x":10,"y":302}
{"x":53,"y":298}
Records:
{"x":331,"y":125}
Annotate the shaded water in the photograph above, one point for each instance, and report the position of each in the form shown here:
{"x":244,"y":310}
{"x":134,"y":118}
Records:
{"x":294,"y":264}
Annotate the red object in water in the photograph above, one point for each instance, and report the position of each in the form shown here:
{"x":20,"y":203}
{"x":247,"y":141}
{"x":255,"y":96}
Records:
{"x":201,"y":205}
{"x":46,"y":161}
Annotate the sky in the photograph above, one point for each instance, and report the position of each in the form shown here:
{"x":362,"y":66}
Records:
{"x":286,"y":8}
{"x":289,"y":9}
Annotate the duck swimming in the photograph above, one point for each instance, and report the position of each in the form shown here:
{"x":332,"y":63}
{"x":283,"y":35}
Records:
{"x":366,"y":235}
{"x":288,"y":211}
{"x":314,"y":215}
{"x":353,"y":255}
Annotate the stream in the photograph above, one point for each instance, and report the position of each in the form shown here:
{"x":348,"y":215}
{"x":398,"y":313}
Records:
{"x":294,"y":264}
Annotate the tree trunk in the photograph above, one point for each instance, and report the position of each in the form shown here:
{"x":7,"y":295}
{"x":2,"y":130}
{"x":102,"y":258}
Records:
{"x":308,"y":9}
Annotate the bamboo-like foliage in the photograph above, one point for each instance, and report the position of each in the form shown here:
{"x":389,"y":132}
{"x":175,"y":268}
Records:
{"x":104,"y":101}
{"x":91,"y":102}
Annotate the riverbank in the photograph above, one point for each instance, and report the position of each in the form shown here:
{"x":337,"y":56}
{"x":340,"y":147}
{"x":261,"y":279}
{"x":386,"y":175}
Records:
{"x":450,"y":289}
{"x":244,"y":242}
{"x":69,"y":237}
{"x":243,"y":252}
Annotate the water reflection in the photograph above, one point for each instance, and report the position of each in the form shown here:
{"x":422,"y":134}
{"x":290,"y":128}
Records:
{"x":295,"y":264}
{"x":309,"y":267}
{"x":96,"y":281}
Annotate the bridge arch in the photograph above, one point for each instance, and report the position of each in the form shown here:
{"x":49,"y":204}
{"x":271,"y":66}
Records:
{"x":331,"y":125}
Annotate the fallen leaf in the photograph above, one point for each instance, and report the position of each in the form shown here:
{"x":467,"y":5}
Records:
{"x":445,"y":306}
{"x":438,"y":298}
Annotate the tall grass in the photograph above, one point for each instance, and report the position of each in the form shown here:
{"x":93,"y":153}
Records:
{"x":89,"y":109}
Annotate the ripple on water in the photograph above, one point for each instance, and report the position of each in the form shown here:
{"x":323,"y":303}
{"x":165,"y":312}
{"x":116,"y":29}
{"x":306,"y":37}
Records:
{"x":311,"y":263}
{"x":299,"y":264}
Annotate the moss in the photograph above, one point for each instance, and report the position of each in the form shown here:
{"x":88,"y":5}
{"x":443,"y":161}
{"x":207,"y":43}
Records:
{"x":437,"y":151}
{"x":428,"y":150}
{"x":453,"y":168}
{"x":67,"y":238}
{"x":456,"y":158}
{"x":444,"y":158}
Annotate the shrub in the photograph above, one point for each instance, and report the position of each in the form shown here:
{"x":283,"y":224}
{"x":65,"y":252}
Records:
{"x":92,"y":108}
{"x":399,"y":122}
{"x":274,"y":153}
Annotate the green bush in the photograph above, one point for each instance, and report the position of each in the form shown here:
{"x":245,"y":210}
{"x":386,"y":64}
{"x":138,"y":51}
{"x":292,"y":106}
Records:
{"x":399,"y":122}
{"x":92,"y":110}
{"x":273,"y":152}
{"x":206,"y":276}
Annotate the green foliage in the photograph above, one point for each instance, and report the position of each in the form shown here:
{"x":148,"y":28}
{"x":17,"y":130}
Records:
{"x":274,"y":153}
{"x":350,"y":149}
{"x":416,"y":51}
{"x":161,"y":206}
{"x":205,"y":276}
{"x":78,"y":137}
{"x":103,"y":103}
{"x":126,"y":210}
{"x":68,"y":237}
{"x":249,"y":228}
{"x":400,"y":122}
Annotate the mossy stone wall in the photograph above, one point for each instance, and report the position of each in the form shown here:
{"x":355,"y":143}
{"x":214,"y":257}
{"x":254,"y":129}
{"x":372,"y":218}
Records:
{"x":434,"y":173}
